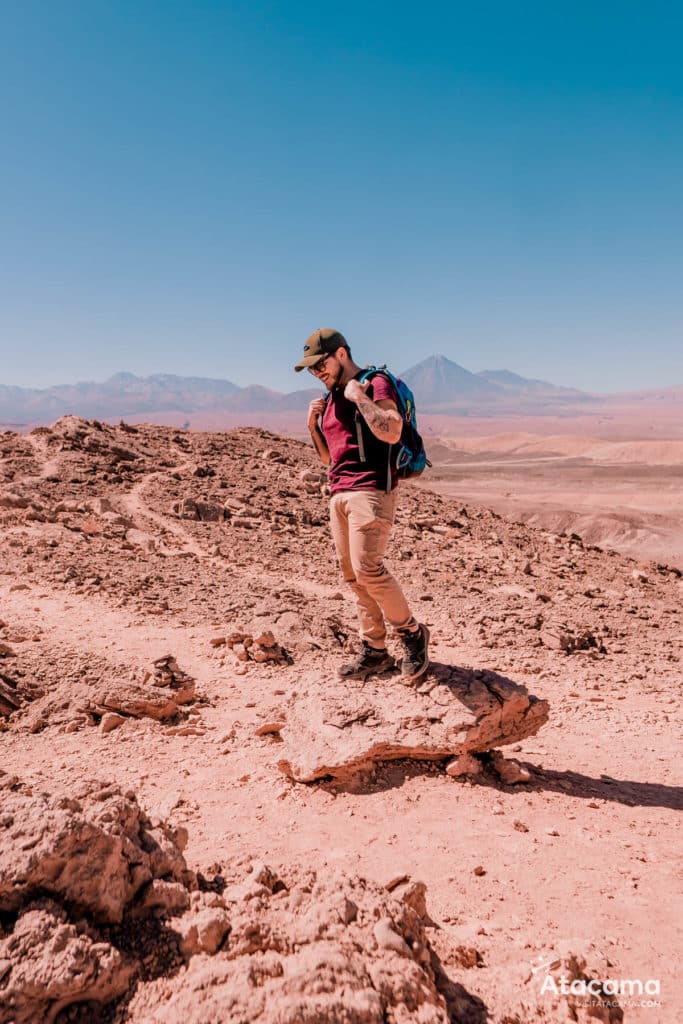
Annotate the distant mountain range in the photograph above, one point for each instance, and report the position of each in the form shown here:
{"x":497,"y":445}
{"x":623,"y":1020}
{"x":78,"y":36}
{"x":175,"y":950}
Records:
{"x":440,"y":385}
{"x":124,"y":394}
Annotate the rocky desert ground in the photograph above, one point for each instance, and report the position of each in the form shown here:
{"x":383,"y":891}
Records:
{"x":200,"y":824}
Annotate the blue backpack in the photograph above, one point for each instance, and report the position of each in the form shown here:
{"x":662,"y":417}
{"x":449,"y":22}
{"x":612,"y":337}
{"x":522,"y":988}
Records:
{"x":408,"y":455}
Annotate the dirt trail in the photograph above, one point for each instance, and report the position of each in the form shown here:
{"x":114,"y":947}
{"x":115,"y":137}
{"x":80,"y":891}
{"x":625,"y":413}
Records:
{"x":134,"y":504}
{"x":91,"y":625}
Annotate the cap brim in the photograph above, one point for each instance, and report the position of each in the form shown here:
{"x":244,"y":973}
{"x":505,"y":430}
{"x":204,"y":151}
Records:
{"x":303,"y":364}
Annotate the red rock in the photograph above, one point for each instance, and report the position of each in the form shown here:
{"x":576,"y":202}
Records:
{"x":51,"y":964}
{"x":339,"y":731}
{"x":110,"y":721}
{"x":270,"y":729}
{"x":91,"y":857}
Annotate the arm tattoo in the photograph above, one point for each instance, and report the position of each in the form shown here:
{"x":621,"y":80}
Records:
{"x":380,"y":421}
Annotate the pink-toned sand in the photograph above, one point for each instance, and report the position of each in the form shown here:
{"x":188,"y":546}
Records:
{"x":624,"y":495}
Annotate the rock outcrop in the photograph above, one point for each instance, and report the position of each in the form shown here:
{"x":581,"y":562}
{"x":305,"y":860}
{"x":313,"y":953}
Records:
{"x":159,"y":694}
{"x":69,"y":868}
{"x":49,"y":963}
{"x":321,"y":947}
{"x":454,"y":714}
{"x":93,"y":853}
{"x":79,"y":874}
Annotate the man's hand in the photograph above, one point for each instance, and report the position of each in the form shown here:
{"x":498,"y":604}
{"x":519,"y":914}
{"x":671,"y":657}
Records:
{"x":315,"y":411}
{"x":355,"y":390}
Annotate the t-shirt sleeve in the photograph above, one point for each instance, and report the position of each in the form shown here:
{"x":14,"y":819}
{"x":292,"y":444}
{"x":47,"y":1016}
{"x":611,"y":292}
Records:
{"x":383,"y":388}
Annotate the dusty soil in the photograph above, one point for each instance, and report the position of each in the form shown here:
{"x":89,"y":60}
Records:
{"x":122,"y":548}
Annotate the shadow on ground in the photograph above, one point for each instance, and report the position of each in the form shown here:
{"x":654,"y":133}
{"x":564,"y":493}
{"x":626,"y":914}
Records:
{"x":467,"y":685}
{"x":394,"y":774}
{"x":463,"y":1007}
{"x":621,"y":791}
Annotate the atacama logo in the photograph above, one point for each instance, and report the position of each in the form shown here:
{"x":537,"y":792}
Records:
{"x":596,"y":991}
{"x":565,"y":986}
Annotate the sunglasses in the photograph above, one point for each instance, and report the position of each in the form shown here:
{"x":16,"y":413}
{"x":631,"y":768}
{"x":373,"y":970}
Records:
{"x":318,"y":367}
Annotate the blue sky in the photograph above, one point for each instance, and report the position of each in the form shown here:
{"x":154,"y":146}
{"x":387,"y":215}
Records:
{"x":193,"y":187}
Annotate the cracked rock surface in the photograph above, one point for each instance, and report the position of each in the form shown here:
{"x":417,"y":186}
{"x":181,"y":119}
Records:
{"x":250,"y":946}
{"x":455,"y":713}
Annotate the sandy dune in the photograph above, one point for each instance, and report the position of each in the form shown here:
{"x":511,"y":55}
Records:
{"x":625,"y":495}
{"x":571,"y":446}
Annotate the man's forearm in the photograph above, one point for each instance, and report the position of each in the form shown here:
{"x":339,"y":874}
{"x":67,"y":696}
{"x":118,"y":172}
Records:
{"x":320,"y":445}
{"x":385,"y":424}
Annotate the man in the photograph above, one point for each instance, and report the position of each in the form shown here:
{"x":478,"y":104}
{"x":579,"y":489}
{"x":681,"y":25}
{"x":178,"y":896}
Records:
{"x":353,"y":429}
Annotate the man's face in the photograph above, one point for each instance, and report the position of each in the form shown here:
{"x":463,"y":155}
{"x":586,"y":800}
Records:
{"x":328,"y":370}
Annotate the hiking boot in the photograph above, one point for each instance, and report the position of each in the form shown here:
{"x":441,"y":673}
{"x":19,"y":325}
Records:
{"x":369,"y":661}
{"x":416,"y":657}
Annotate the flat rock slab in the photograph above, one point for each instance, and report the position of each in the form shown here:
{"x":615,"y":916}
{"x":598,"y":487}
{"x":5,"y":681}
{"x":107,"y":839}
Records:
{"x":455,"y":711}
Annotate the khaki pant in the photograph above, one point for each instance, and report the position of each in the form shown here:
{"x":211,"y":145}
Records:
{"x":361,"y":523}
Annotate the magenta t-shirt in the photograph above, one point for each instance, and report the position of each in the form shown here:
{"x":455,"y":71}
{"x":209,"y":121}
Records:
{"x":347,"y":472}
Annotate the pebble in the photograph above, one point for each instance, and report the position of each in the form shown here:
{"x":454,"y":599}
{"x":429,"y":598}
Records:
{"x":110,"y":721}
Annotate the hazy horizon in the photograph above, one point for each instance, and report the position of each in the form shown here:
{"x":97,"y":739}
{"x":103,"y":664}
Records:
{"x":303,"y":383}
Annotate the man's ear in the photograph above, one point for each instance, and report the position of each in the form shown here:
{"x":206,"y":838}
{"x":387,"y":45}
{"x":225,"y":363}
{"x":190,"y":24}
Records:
{"x":342,"y":355}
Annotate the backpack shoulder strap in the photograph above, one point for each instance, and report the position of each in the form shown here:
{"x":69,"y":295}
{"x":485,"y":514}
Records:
{"x":369,"y":374}
{"x":373,"y":371}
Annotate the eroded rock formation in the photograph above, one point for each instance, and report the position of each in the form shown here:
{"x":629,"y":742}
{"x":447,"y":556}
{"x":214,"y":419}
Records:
{"x":454,"y":714}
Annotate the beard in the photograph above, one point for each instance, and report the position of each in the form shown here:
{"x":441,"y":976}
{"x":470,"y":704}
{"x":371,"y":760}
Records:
{"x":336,"y":383}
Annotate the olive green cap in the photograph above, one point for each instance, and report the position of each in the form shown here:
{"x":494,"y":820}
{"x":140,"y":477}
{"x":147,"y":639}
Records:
{"x":322,"y":342}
